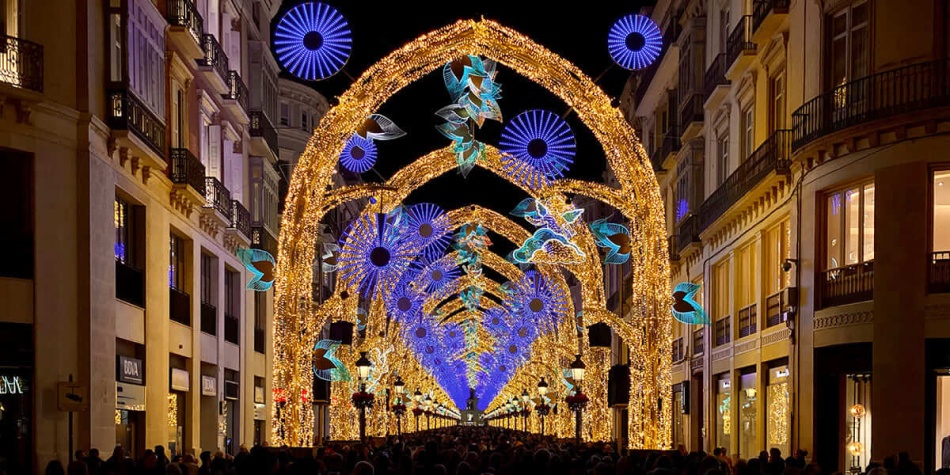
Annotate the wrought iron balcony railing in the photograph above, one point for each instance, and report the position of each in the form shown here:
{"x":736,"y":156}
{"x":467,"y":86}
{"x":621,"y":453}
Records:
{"x":939,"y":272}
{"x":715,"y":75}
{"x":240,"y":218}
{"x":761,"y":9}
{"x":691,"y":110}
{"x":773,"y":310}
{"x":688,"y":233}
{"x":232,"y":329}
{"x":670,"y":143}
{"x":184,"y":13}
{"x":723,"y":330}
{"x":898,"y":91}
{"x":215,"y":57}
{"x":187,"y":170}
{"x":844,"y":285}
{"x":740,"y":40}
{"x":21,"y":63}
{"x":646,"y":76}
{"x":261,"y":127}
{"x":748,"y":320}
{"x":126,"y":112}
{"x":237,"y":91}
{"x":209,"y":318}
{"x":217,"y":197}
{"x":774,"y":155}
{"x":129,"y":284}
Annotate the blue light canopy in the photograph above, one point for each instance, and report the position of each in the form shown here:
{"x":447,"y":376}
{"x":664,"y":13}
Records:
{"x":542,"y":141}
{"x":634,"y":42}
{"x":312,"y":41}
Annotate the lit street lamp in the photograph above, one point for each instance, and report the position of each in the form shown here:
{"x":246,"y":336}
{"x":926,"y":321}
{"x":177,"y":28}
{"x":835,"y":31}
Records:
{"x":579,"y":399}
{"x":542,"y":408}
{"x":361,"y":399}
{"x":400,"y":388}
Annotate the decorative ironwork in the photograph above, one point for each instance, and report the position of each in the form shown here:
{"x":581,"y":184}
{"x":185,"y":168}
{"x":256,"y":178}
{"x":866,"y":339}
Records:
{"x":237,"y":90}
{"x":184,"y":13}
{"x":240,"y":218}
{"x":688,"y":232}
{"x":21,"y":63}
{"x":187,"y":170}
{"x":898,"y":91}
{"x":844,"y":285}
{"x":748,"y":320}
{"x":231,"y":328}
{"x":715,"y":75}
{"x":763,"y":8}
{"x":126,"y":112}
{"x":723,"y":330}
{"x":939,"y":272}
{"x":740,"y":40}
{"x":774,"y":155}
{"x":261,"y":127}
{"x":215,"y":58}
{"x":217,"y":197}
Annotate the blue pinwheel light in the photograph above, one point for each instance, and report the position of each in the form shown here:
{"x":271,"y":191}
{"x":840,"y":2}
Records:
{"x":373,"y":252}
{"x":634,"y":42}
{"x":436,"y":275}
{"x":428,"y":225}
{"x":538,"y":301}
{"x":404,"y":302}
{"x":537,"y":145}
{"x":312,"y":41}
{"x":359,"y":154}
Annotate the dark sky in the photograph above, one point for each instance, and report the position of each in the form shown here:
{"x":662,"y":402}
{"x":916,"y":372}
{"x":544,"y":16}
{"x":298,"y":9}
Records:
{"x":576,"y":33}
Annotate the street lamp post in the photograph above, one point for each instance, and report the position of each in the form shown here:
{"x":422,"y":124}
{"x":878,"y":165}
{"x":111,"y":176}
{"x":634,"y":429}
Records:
{"x":417,"y":396}
{"x":542,"y":408}
{"x":525,"y":397}
{"x":400,"y":390}
{"x":362,"y":368}
{"x":580,"y":400}
{"x":428,"y":412}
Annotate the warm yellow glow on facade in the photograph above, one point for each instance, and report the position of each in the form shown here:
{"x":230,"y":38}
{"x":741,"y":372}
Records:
{"x":646,"y":329}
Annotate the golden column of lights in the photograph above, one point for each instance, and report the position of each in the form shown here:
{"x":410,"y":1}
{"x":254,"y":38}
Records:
{"x":600,"y":423}
{"x":295,"y":329}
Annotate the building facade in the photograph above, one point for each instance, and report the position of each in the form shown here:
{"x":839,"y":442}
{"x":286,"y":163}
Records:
{"x":140,"y":154}
{"x":773,"y":127}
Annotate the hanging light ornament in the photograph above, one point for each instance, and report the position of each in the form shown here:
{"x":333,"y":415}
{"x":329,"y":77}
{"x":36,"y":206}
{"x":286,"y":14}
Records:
{"x":374,"y":252}
{"x":435,"y":275}
{"x":359,"y":154}
{"x":634,"y":42}
{"x":428,"y":225}
{"x":537,"y":146}
{"x":312,"y":41}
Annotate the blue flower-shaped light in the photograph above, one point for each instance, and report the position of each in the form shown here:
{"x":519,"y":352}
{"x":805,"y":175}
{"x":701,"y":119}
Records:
{"x":373,"y":252}
{"x":436,"y":275}
{"x":312,"y":41}
{"x":404,"y":302}
{"x":542,"y":141}
{"x":359,"y":154}
{"x":634,"y":42}
{"x":428,"y":225}
{"x":537,"y":300}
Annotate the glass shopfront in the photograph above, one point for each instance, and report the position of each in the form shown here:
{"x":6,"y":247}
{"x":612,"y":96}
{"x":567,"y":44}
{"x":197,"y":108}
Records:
{"x":16,"y":398}
{"x":724,"y":420}
{"x":130,"y":404}
{"x":679,"y":434}
{"x":177,"y":410}
{"x":857,"y":410}
{"x":747,"y":415}
{"x":777,"y":408}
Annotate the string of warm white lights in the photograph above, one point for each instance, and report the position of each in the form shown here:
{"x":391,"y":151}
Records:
{"x":646,"y":328}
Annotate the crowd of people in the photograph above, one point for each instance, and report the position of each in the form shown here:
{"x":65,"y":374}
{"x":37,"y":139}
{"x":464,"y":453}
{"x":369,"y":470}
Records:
{"x":459,"y":451}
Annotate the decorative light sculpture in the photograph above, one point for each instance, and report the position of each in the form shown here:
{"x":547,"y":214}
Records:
{"x":404,"y":302}
{"x":634,"y":42}
{"x":326,"y":365}
{"x":540,"y":140}
{"x":359,"y":154}
{"x":613,"y":237}
{"x":436,"y":275}
{"x":260,"y":264}
{"x":685,"y":308}
{"x":374,"y":252}
{"x":470,"y":81}
{"x":428,"y":225}
{"x":312,"y":41}
{"x":536,"y":301}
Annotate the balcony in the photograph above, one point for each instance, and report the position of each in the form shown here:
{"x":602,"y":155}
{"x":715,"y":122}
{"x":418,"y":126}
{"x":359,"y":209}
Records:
{"x":218,"y":199}
{"x":722,"y":331}
{"x":844,"y":285}
{"x":740,"y":49}
{"x":237,"y":96}
{"x":259,"y":340}
{"x":772,"y":156}
{"x":699,"y":342}
{"x":145,"y":131}
{"x":679,"y":352}
{"x":188,"y":172}
{"x":767,"y":15}
{"x":214,"y":63}
{"x":688,"y":233}
{"x":263,"y":136}
{"x":667,"y":147}
{"x":186,"y":27}
{"x":209,"y":318}
{"x":129,"y":284}
{"x":691,"y":115}
{"x":671,"y":249}
{"x":231,"y":329}
{"x":748,"y":320}
{"x":905,"y":90}
{"x":939,"y":272}
{"x":179,"y":308}
{"x":262,"y":239}
{"x":21,"y":64}
{"x":646,"y":76}
{"x":240,"y":219}
{"x":715,"y":84}
{"x":773,"y":310}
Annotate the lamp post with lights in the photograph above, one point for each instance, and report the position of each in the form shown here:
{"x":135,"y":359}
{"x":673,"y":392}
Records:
{"x":542,"y":408}
{"x":362,"y":399}
{"x":399,"y":408}
{"x":578,"y":401}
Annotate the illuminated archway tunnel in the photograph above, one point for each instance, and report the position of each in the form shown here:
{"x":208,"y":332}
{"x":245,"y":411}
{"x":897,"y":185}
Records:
{"x":646,"y":327}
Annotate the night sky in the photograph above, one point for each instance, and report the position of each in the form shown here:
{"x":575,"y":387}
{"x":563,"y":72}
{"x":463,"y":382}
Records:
{"x":577,"y":34}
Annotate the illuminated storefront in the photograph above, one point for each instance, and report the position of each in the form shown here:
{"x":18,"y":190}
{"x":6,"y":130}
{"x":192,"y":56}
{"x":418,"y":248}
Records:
{"x":777,"y":410}
{"x":16,"y":398}
{"x":724,"y":420}
{"x":748,"y":421}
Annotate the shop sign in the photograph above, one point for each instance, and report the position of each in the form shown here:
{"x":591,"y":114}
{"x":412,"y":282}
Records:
{"x":260,"y":412}
{"x":130,"y":370}
{"x":258,"y":395}
{"x":12,"y":385}
{"x":780,"y":373}
{"x":180,"y":380}
{"x":129,"y":397}
{"x":209,"y":385}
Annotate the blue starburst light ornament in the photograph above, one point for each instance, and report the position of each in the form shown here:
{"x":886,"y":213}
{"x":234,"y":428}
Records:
{"x":436,"y":275}
{"x":312,"y":41}
{"x":538,"y":301}
{"x":404,"y":302}
{"x":541,"y":140}
{"x":359,"y":154}
{"x":428,"y":225}
{"x":374,"y":252}
{"x":634,"y":42}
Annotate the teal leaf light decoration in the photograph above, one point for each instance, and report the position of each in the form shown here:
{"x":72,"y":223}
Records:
{"x":685,"y":308}
{"x":326,"y":366}
{"x":613,"y":237}
{"x":261,"y":265}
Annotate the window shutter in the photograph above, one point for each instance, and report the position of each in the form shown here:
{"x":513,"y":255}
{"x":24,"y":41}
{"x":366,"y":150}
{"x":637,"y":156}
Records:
{"x":214,"y":151}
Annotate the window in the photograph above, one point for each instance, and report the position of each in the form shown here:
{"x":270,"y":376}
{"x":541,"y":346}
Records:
{"x":304,"y":120}
{"x":115,"y":50}
{"x":849,"y":226}
{"x":747,"y":415}
{"x":284,"y":113}
{"x":260,"y":320}
{"x":723,"y":29}
{"x":777,"y":242}
{"x":746,"y":285}
{"x":748,"y":132}
{"x":232,"y":305}
{"x":176,"y":265}
{"x":848,"y":51}
{"x":941,"y":200}
{"x":123,"y":230}
{"x":207,"y":278}
{"x":682,"y":197}
{"x":722,"y":167}
{"x":777,"y":104}
{"x":722,"y":289}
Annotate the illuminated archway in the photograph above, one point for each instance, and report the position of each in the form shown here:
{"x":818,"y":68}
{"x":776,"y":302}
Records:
{"x":646,"y":328}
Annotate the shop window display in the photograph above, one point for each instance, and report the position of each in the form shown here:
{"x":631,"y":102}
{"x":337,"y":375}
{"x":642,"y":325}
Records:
{"x":723,"y":411}
{"x":747,"y":416}
{"x":777,"y":424}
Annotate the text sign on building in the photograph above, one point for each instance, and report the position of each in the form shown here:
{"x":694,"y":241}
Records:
{"x":209,"y":385}
{"x":180,"y":380}
{"x":12,"y":385}
{"x":130,"y":370}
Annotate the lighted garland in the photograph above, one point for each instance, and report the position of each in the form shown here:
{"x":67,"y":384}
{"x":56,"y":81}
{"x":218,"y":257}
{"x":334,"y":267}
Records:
{"x":312,"y":41}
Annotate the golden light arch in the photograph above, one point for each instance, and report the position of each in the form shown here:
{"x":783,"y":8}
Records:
{"x":647,"y":327}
